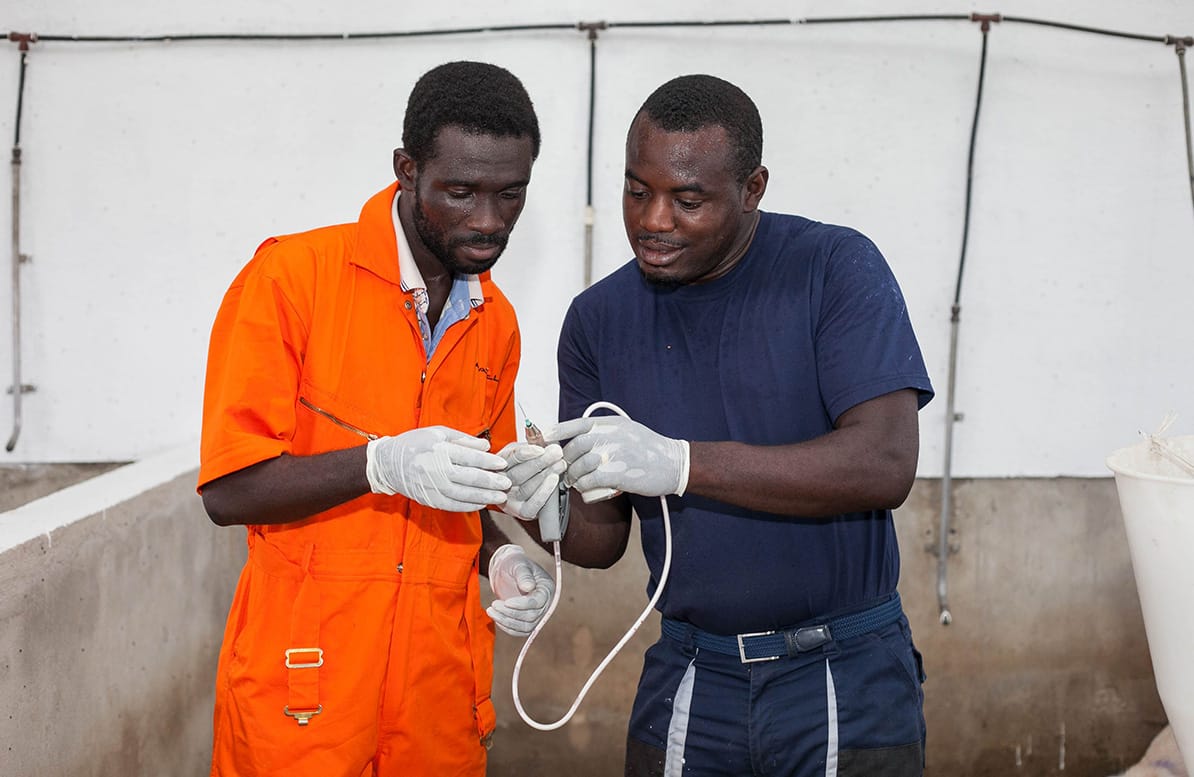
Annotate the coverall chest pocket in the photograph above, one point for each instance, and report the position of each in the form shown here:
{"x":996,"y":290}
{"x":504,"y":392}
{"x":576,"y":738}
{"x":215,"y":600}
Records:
{"x":327,"y":422}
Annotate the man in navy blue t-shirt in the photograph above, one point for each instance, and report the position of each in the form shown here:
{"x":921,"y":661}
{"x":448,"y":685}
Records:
{"x":773,"y":380}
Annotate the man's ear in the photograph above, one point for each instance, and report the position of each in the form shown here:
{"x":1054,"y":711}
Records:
{"x":405,"y":169}
{"x":754,"y":188}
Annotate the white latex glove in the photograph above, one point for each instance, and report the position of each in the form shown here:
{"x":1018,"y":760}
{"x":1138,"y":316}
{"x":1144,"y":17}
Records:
{"x":524,"y":589}
{"x":534,"y":474}
{"x":612,"y":452}
{"x":438,"y":467}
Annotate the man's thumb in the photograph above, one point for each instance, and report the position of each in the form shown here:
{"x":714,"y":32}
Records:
{"x":526,"y":578}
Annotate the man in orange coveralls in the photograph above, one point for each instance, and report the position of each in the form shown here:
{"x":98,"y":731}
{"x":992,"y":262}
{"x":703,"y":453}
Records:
{"x":356,"y":643}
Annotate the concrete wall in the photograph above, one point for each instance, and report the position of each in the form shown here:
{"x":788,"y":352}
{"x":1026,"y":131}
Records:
{"x":1044,"y":670}
{"x":110,"y":626}
{"x":110,"y":622}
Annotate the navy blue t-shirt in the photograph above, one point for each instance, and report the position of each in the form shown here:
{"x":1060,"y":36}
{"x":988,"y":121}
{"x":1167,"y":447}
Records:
{"x":810,"y":323}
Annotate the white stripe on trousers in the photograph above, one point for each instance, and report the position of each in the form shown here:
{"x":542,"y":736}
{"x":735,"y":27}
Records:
{"x":677,"y":729}
{"x":831,"y":743}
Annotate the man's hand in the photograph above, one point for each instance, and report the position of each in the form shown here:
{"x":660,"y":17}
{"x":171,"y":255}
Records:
{"x":534,"y":474}
{"x":612,"y":452}
{"x":438,"y":467}
{"x":523,"y":588}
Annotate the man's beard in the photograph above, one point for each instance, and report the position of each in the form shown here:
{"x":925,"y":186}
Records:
{"x":662,"y":284}
{"x":438,"y":244}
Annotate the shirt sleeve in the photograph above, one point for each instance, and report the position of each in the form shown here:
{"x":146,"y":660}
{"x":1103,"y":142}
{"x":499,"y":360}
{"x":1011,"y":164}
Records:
{"x":864,"y":339}
{"x":254,"y":361}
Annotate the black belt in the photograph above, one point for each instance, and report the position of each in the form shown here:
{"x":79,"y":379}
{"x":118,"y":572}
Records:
{"x":770,"y":645}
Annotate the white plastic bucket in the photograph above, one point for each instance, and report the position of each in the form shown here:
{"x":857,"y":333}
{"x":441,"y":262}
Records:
{"x":1156,"y":496}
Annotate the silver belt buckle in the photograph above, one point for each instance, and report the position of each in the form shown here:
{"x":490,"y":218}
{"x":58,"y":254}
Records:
{"x":742,"y":647}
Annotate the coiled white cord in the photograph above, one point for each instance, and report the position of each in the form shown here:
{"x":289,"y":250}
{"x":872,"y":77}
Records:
{"x":667,"y":564}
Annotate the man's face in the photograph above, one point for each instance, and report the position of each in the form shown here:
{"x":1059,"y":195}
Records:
{"x":467,"y":197}
{"x":687,"y":217}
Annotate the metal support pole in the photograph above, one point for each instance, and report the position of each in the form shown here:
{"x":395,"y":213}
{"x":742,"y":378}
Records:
{"x":1180,"y":44}
{"x":18,"y":388}
{"x":943,"y":548}
{"x":592,"y":28}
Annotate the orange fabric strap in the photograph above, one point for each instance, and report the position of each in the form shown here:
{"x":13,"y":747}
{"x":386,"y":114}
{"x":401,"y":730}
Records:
{"x":304,"y":657}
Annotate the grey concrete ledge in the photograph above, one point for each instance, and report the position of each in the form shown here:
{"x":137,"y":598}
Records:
{"x":55,"y":511}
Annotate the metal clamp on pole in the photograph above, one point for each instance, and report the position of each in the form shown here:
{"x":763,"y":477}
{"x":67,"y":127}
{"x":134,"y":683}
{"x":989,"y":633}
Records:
{"x":986,"y":18}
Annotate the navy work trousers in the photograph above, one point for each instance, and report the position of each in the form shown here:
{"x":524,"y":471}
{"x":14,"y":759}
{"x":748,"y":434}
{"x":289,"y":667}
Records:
{"x":846,"y":709}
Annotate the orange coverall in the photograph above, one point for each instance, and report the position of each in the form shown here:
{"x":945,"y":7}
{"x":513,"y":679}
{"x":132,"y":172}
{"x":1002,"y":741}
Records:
{"x":369,"y":613}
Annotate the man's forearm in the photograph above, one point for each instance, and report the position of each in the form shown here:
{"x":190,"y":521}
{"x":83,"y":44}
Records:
{"x":287,"y":488}
{"x":867,"y":463}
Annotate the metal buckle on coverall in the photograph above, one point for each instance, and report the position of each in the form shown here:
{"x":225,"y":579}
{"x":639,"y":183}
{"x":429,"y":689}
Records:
{"x":303,"y":717}
{"x":308,"y":665}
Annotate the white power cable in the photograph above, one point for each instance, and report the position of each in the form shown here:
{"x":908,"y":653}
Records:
{"x":667,"y":563}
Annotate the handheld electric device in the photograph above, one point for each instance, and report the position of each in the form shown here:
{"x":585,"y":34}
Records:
{"x":553,"y":516}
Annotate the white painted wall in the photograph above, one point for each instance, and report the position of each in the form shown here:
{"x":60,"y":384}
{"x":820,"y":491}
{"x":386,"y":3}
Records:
{"x":152,"y":171}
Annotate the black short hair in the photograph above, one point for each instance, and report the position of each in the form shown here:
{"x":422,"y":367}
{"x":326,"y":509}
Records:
{"x":693,"y":102}
{"x":477,"y":97}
